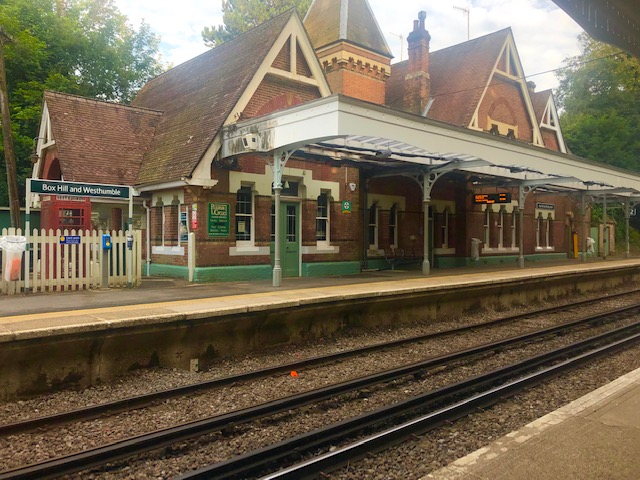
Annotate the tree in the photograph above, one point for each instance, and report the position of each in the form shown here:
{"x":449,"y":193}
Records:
{"x":599,"y":95}
{"x":83,"y":47}
{"x":242,"y":15}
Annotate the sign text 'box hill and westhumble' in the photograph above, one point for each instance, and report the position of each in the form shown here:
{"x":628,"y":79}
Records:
{"x":55,"y":187}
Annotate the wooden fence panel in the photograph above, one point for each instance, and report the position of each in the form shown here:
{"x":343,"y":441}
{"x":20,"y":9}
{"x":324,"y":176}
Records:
{"x":56,"y":266}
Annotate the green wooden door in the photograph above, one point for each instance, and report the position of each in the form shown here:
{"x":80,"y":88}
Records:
{"x":290,"y":239}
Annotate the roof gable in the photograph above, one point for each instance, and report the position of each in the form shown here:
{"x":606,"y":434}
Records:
{"x":96,"y":141}
{"x":460,"y":75}
{"x":508,"y":68}
{"x":547,"y":116}
{"x":332,"y":21}
{"x":198,"y":96}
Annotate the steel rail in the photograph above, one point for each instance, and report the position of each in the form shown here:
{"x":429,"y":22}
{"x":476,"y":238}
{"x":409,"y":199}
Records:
{"x":459,"y":399}
{"x":141,"y":401}
{"x":161,"y":438}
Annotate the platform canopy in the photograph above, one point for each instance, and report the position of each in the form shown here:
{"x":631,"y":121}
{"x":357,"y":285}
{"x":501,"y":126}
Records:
{"x":612,"y":21}
{"x":347,"y":129}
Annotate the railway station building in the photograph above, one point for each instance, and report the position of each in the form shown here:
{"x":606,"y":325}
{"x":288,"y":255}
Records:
{"x":298,"y":149}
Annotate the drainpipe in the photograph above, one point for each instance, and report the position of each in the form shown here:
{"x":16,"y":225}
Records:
{"x":148,"y":209}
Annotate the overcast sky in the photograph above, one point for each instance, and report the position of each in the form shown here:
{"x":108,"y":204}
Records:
{"x":544,"y":34}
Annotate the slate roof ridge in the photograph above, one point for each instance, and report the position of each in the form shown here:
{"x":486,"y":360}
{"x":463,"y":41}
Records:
{"x":345,"y":21}
{"x":466,"y":43}
{"x":197,"y":97}
{"x":223,"y":46}
{"x":107,"y":103}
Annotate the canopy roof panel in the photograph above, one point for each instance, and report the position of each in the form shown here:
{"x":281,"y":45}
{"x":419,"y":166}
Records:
{"x":346,"y":129}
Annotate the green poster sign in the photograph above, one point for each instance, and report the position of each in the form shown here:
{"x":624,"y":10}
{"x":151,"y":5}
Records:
{"x":218,"y":220}
{"x":346,"y":206}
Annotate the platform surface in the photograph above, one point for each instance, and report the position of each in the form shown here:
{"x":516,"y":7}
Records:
{"x":163,"y":300}
{"x":594,"y":437}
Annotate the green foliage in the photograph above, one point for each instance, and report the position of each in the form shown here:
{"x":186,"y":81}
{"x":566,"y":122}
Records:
{"x":242,"y":15}
{"x":599,"y":95}
{"x":83,"y":47}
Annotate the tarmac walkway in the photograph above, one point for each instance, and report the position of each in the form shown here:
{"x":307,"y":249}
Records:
{"x":162,"y":297}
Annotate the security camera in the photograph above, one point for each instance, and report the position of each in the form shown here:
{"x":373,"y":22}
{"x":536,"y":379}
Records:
{"x":250,"y":141}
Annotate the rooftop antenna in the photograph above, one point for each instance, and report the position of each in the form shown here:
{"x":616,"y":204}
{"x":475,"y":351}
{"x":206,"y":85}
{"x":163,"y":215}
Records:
{"x":401,"y":42}
{"x":466,"y":11}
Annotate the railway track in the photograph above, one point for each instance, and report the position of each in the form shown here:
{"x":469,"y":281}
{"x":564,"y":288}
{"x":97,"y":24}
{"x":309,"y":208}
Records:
{"x":458,"y":399}
{"x":141,"y":401}
{"x":166,"y":437}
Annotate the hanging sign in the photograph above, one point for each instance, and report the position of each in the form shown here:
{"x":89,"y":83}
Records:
{"x":218,"y":220}
{"x":489,"y":198}
{"x":545,"y":206}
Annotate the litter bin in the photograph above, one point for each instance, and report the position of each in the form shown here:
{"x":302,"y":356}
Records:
{"x":475,"y":249}
{"x":13,"y":246}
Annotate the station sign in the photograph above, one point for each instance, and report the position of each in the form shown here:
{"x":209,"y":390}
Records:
{"x":490,"y":198}
{"x":56,"y":187}
{"x":545,"y":206}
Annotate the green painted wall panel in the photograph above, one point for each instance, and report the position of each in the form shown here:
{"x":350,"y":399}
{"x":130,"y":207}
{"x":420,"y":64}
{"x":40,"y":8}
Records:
{"x":329,"y":269}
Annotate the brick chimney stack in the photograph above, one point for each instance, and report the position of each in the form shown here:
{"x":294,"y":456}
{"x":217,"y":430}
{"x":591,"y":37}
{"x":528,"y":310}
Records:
{"x":417,"y":82}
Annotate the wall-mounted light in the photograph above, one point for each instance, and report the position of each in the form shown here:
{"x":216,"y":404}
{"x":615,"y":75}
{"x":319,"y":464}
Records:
{"x":34,"y":153}
{"x":352,"y":187}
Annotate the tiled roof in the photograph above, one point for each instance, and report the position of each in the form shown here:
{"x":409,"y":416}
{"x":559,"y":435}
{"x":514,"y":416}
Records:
{"x":196,"y":98}
{"x":540,"y":100}
{"x":329,"y":21}
{"x":99,"y":142}
{"x":458,"y":75}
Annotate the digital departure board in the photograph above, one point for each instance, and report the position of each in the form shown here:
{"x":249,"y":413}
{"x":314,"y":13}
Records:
{"x":488,"y":198}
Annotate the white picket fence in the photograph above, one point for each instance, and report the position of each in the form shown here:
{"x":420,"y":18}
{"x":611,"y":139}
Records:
{"x":53,"y":266}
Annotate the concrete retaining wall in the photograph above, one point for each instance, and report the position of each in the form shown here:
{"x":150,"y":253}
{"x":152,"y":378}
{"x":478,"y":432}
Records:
{"x":84,"y":356}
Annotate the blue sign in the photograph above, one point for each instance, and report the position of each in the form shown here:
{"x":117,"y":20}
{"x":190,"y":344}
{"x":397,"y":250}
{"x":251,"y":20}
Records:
{"x":70,"y":240}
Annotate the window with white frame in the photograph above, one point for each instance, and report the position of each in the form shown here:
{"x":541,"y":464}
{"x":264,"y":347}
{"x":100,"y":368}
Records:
{"x":514,"y":220}
{"x":539,"y":230}
{"x":373,"y":226}
{"x":444,"y":228}
{"x":183,"y":224}
{"x":487,"y":226}
{"x":393,"y":227}
{"x":547,"y":231}
{"x":501,"y":215}
{"x":322,"y":218}
{"x":244,"y":214}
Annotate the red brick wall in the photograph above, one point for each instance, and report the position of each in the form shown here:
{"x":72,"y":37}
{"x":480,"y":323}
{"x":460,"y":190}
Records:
{"x":284,"y":93}
{"x":283,"y":60}
{"x":357,"y":84}
{"x":503,"y":101}
{"x":550,"y":139}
